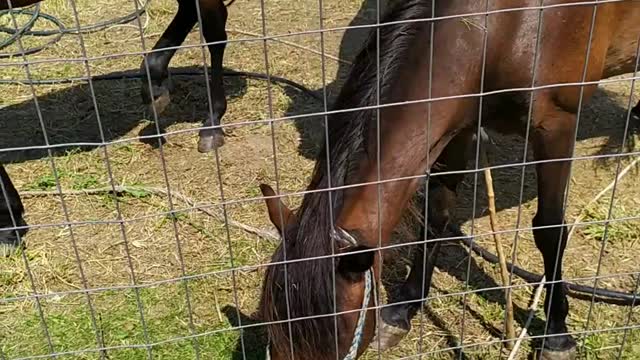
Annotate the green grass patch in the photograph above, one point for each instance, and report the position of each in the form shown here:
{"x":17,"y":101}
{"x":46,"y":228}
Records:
{"x":615,"y":230}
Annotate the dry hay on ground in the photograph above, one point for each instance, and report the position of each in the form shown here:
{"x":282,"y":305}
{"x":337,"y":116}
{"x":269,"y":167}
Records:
{"x":216,"y":295}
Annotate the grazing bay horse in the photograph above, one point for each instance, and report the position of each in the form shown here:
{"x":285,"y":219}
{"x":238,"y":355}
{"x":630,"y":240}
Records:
{"x":213,"y":14}
{"x":341,"y":229}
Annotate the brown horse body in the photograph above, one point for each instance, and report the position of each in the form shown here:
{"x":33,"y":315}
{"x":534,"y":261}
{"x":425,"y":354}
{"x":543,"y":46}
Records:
{"x":413,"y":136}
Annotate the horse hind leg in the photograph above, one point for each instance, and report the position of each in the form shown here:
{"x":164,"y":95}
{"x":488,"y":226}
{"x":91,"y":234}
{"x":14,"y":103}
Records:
{"x":396,"y":319}
{"x":214,"y":19}
{"x":156,"y":90}
{"x":553,"y":139}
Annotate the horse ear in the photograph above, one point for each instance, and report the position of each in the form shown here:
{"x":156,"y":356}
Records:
{"x":357,"y":261}
{"x":276,"y":208}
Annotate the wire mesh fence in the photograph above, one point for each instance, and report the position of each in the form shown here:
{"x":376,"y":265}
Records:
{"x":134,"y":244}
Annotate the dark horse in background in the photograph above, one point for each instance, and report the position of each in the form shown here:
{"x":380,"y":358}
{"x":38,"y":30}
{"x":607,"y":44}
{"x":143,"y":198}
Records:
{"x":213,"y":14}
{"x":415,"y":136}
{"x":214,"y":17}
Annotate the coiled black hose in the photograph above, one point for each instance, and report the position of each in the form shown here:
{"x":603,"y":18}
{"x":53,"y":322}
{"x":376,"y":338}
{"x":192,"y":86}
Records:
{"x":575,"y":290}
{"x":26,"y":29}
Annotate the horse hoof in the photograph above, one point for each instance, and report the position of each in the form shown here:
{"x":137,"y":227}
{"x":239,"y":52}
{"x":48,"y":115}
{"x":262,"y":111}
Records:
{"x":159,"y":104}
{"x":387,"y":337}
{"x":209,"y":143}
{"x":161,"y":96}
{"x":547,"y":354}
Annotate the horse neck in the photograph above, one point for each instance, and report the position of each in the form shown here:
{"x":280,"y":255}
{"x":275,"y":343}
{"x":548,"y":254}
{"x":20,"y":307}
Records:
{"x":409,"y":145}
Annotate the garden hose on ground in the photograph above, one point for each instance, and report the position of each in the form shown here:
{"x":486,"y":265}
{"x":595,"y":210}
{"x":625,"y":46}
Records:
{"x":61,"y":29}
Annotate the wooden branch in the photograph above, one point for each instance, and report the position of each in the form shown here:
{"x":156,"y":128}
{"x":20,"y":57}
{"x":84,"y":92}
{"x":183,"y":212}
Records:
{"x":504,"y":272}
{"x":532,"y":312}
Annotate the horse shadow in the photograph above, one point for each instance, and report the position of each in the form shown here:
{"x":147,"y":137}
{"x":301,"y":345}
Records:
{"x":253,"y":341}
{"x":311,"y":128}
{"x":69,"y":116}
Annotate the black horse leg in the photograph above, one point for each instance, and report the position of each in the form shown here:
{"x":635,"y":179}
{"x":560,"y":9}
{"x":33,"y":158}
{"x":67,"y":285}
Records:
{"x":214,"y":19}
{"x":636,"y":110}
{"x":158,"y":61}
{"x":553,"y":139}
{"x":396,"y":319}
{"x":11,"y":210}
{"x":442,"y":196}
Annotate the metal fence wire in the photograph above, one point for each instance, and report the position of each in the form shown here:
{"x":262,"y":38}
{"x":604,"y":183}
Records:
{"x":135,"y":245}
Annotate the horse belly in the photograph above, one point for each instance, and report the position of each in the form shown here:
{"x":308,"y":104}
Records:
{"x":506,"y":113}
{"x":512,"y":55}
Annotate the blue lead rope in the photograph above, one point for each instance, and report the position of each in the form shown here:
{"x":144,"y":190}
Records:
{"x":357,"y":334}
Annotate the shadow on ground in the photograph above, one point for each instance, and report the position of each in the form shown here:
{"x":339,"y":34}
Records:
{"x":253,"y":343}
{"x":69,"y":115}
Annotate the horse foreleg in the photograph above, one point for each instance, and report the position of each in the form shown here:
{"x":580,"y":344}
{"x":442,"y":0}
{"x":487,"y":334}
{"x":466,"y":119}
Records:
{"x":158,"y":94}
{"x":11,"y":210}
{"x":396,"y":319}
{"x":214,"y":18}
{"x":553,"y":139}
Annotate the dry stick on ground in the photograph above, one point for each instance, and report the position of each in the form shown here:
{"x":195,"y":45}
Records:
{"x":293,"y":44}
{"x":157,"y":191}
{"x":504,"y":272}
{"x":532,"y":311}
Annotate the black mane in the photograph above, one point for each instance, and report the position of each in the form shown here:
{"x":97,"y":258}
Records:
{"x":310,"y":283}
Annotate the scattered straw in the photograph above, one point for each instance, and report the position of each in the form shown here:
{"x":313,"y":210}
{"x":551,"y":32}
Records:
{"x":118,"y":190}
{"x":582,"y":213}
{"x":532,"y":308}
{"x":293,"y":44}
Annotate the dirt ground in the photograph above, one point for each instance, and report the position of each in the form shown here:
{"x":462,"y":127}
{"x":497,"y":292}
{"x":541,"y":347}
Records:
{"x":145,"y":237}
